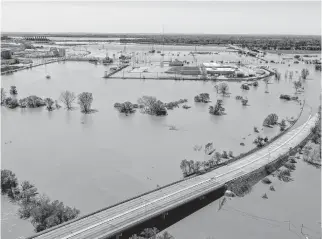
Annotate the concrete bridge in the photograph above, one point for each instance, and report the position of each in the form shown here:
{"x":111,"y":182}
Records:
{"x":111,"y":222}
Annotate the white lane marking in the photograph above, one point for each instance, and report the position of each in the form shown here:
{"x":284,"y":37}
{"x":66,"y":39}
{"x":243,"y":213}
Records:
{"x":169,"y":195}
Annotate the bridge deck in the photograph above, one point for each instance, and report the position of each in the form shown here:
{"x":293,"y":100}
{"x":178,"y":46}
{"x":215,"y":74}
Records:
{"x":114,"y":220}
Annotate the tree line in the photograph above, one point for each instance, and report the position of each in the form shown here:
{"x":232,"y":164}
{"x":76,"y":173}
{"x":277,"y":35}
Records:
{"x":84,"y":99}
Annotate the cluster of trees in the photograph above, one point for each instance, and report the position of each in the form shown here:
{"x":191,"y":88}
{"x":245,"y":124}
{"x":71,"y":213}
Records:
{"x":39,"y":209}
{"x":217,"y":109}
{"x":202,"y":98}
{"x":260,"y":141}
{"x":174,"y":104}
{"x":190,"y":167}
{"x":85,"y":100}
{"x":152,"y":106}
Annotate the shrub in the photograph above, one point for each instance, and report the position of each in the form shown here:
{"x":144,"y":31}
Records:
{"x":224,"y":155}
{"x":265,"y":196}
{"x":285,"y":97}
{"x":266,"y":181}
{"x":245,"y":87}
{"x":244,"y":102}
{"x":255,"y":84}
{"x":272,"y":188}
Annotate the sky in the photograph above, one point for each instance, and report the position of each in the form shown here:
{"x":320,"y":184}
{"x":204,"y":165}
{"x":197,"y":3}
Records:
{"x":199,"y":17}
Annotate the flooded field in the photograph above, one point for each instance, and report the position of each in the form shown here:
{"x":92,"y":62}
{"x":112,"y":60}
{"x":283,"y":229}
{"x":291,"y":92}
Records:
{"x":91,"y":161}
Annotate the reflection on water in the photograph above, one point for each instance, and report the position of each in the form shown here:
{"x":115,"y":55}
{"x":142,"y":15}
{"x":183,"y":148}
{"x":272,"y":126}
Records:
{"x":82,"y":159}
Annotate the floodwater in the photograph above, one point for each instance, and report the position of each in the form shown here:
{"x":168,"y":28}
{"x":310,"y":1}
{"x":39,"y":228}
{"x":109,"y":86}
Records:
{"x":92,"y":161}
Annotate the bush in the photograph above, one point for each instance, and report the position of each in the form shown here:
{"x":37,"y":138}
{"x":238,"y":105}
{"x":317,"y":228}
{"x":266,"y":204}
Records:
{"x":255,"y":84}
{"x":245,"y":87}
{"x":266,"y":181}
{"x":272,"y":188}
{"x":244,"y":102}
{"x":285,"y":97}
{"x":224,"y":155}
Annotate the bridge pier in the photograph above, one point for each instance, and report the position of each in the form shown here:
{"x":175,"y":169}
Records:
{"x":118,"y":236}
{"x":164,"y":214}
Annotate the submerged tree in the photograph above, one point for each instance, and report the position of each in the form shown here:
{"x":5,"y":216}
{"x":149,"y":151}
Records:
{"x":244,"y":102}
{"x":8,"y":180}
{"x":49,"y":104}
{"x":304,"y":73}
{"x":85,"y":100}
{"x":298,"y":85}
{"x":3,"y":96}
{"x":13,"y":90}
{"x":126,"y":107}
{"x":217,"y":109}
{"x":67,"y":98}
{"x":270,"y":120}
{"x":203,"y":98}
{"x":223,"y":89}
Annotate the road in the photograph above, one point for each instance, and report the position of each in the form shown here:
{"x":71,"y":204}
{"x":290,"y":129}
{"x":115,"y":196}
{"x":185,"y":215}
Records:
{"x":114,"y":220}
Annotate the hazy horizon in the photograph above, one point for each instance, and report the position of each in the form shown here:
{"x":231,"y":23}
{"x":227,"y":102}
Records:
{"x":138,"y":17}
